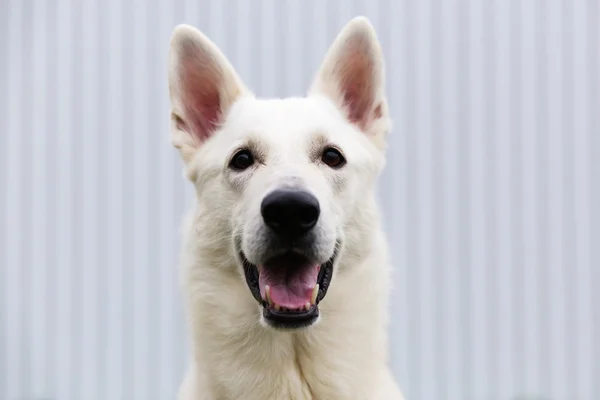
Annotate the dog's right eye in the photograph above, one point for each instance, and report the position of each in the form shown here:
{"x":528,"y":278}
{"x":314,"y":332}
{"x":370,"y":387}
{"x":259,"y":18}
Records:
{"x":241,"y":160}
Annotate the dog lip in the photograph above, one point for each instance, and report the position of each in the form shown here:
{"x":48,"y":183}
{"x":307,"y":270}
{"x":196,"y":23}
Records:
{"x":251,"y":275}
{"x":290,"y":320}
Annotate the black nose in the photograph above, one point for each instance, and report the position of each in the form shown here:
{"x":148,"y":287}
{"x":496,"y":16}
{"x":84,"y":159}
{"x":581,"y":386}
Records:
{"x":290,"y":212}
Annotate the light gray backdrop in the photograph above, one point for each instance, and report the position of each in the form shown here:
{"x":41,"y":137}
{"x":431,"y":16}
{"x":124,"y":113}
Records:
{"x":491,"y":191}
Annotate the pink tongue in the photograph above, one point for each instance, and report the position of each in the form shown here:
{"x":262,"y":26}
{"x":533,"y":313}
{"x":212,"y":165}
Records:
{"x":291,"y":286}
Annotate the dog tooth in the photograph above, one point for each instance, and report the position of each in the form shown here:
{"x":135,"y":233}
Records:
{"x":268,"y":294}
{"x":277,"y":307}
{"x":307,"y":306}
{"x":313,"y":298}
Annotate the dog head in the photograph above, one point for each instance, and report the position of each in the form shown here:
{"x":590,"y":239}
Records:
{"x":280,"y":181}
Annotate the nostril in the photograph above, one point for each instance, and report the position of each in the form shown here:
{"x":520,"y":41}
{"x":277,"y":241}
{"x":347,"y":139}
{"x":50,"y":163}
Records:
{"x":270,"y":213}
{"x":308,"y":215}
{"x":290,"y":212}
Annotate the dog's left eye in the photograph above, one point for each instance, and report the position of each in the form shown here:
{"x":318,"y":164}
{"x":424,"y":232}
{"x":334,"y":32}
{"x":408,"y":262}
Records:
{"x":241,"y":160}
{"x":333,"y":158}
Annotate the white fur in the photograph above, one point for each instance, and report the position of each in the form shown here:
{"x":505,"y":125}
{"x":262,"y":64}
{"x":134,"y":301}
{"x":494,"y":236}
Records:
{"x":235,"y":355}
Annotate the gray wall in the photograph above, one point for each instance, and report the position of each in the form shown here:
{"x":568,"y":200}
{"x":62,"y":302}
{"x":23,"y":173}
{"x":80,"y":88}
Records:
{"x":491,"y":191}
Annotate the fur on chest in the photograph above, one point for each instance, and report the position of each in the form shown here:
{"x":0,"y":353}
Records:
{"x":287,"y":368}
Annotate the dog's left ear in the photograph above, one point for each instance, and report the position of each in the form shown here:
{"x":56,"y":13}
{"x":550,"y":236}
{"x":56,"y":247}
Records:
{"x":352,"y":76}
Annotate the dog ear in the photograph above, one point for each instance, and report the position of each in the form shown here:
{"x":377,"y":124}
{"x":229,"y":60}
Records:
{"x":202,"y":87}
{"x":352,"y":76}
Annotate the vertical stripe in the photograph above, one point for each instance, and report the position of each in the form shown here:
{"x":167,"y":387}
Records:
{"x":554,"y":168}
{"x":594,"y":151}
{"x":4,"y":140}
{"x":128,"y":138}
{"x":99,"y":277}
{"x":515,"y":176}
{"x":4,"y":175}
{"x":65,"y":332}
{"x":10,"y":259}
{"x":462,"y":223}
{"x":581,"y":295}
{"x":423,"y":163}
{"x":74,"y":172}
{"x":49,"y":303}
{"x":38,"y":268}
{"x":156,"y":131}
{"x":397,"y":200}
{"x":529,"y":302}
{"x":490,"y":133}
{"x":115,"y":368}
{"x":137,"y":160}
{"x":542,"y":195}
{"x":474,"y":164}
{"x":569,"y":276}
{"x":27,"y":270}
{"x":412,"y":228}
{"x":88,"y":202}
{"x":438,"y":282}
{"x":500,"y":146}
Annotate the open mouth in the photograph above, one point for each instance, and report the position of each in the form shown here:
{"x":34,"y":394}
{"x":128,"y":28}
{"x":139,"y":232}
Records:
{"x":289,"y":287}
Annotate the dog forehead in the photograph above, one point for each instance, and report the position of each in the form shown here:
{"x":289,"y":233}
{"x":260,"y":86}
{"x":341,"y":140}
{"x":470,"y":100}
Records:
{"x":293,"y":118}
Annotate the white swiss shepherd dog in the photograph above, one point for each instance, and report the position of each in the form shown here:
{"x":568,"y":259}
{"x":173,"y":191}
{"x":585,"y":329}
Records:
{"x":284,"y":262}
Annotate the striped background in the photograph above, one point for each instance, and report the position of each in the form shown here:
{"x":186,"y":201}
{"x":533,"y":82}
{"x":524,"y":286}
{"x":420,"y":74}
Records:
{"x":491,"y":192}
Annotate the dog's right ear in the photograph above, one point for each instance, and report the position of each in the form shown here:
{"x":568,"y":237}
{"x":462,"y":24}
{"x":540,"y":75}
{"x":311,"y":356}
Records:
{"x":202,"y":87}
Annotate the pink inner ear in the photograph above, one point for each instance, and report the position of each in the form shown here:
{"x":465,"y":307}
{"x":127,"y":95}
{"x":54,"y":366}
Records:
{"x":202,"y":99}
{"x":357,"y":83}
{"x":357,"y":102}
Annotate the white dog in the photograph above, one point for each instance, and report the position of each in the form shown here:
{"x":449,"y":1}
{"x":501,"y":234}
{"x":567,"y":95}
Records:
{"x":284,"y":262}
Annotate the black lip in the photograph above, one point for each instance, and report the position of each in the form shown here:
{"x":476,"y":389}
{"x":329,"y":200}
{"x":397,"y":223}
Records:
{"x":251,"y":274}
{"x":290,"y":319}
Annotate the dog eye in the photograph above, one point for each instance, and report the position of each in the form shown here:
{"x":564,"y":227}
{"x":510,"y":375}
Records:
{"x":241,"y":160}
{"x":333,"y":158}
